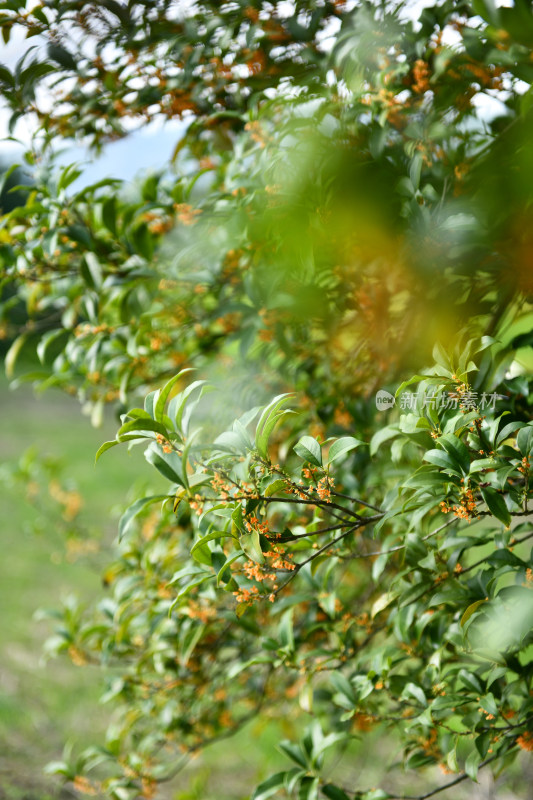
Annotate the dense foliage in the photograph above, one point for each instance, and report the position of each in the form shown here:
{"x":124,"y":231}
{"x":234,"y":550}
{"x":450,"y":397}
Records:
{"x":348,"y":204}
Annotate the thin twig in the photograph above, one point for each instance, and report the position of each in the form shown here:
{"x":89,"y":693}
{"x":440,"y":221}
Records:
{"x":357,"y":500}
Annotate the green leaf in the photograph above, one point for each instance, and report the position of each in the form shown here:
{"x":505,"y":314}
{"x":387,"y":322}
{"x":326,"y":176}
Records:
{"x":443,"y":459}
{"x":196,"y":579}
{"x":379,"y":794}
{"x":412,"y":690}
{"x":61,"y":56}
{"x":137,"y":413}
{"x":276,"y":486}
{"x":524,"y":440}
{"x":108,"y":445}
{"x":415,"y":170}
{"x":105,"y":446}
{"x":382,"y":602}
{"x":293,"y":752}
{"x":267,"y":421}
{"x":202,"y":554}
{"x":91,"y":270}
{"x":470,"y":610}
{"x":414,"y":379}
{"x":159,"y":408}
{"x":264,"y":438}
{"x":472,"y":764}
{"x":109,"y":214}
{"x":229,"y":562}
{"x":46,"y":344}
{"x":457,"y":450}
{"x":343,"y":445}
{"x":483,"y":742}
{"x":59,"y":768}
{"x":504,"y":557}
{"x":80,"y":234}
{"x":487,"y":10}
{"x":286,"y":630}
{"x":508,"y":430}
{"x":333,"y":792}
{"x":308,"y":789}
{"x":230,"y":442}
{"x":7,"y":78}
{"x":426,"y":478}
{"x":309,"y":449}
{"x":13,"y":353}
{"x":496,"y":505}
{"x":142,"y":424}
{"x":211,"y":537}
{"x":488,"y":704}
{"x":129,"y":515}
{"x":479,"y":464}
{"x":269,"y":787}
{"x":470,"y":680}
{"x":251,"y":544}
{"x":189,"y":643}
{"x":150,"y":400}
{"x":440,"y":356}
{"x":181,"y":406}
{"x":143,"y":241}
{"x":163,"y":466}
{"x":381,"y":436}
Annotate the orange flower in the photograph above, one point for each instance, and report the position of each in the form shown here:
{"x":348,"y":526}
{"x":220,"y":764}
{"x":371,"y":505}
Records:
{"x":525,"y":741}
{"x":186,"y":214}
{"x":421,"y":76}
{"x":84,"y":785}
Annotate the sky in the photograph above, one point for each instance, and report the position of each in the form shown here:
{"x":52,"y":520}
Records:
{"x":148,"y":148}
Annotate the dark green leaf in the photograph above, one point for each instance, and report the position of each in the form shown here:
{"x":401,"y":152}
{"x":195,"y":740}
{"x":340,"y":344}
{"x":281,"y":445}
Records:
{"x":310,"y":450}
{"x":131,"y":512}
{"x":496,"y":505}
{"x":342,"y":446}
{"x":161,"y":463}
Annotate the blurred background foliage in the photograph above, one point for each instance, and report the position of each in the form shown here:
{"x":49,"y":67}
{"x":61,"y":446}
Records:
{"x":347,"y":179}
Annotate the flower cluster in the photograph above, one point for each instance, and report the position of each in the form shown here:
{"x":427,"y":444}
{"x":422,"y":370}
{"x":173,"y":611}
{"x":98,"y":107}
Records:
{"x":204,"y":613}
{"x":221,"y":486}
{"x":186,"y":214}
{"x":253,"y":524}
{"x":70,"y":500}
{"x":525,"y":465}
{"x":255,"y":572}
{"x":467,"y":504}
{"x":421,"y":74}
{"x":279,"y":562}
{"x":525,"y":741}
{"x":246,"y":596}
{"x":85,"y":329}
{"x":257,"y":134}
{"x":164,"y":443}
{"x":324,"y":487}
{"x":196,"y":504}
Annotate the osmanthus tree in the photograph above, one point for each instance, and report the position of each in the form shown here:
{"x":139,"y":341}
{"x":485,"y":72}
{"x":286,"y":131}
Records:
{"x":343,"y":197}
